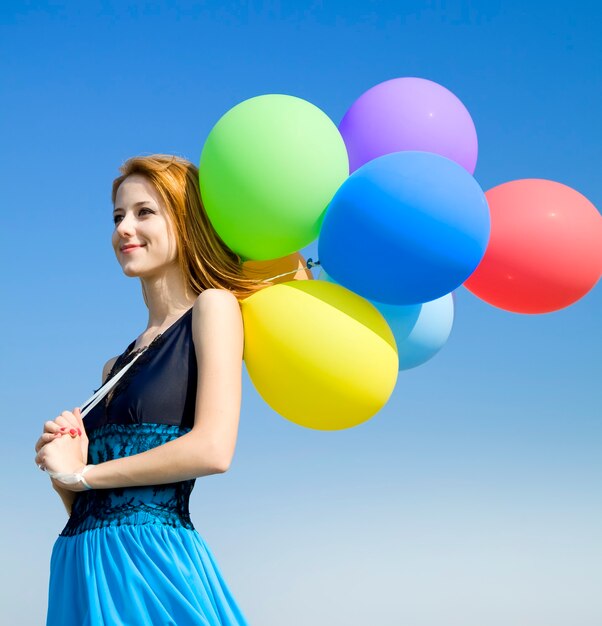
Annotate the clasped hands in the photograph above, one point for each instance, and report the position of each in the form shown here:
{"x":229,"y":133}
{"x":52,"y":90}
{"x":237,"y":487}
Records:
{"x":63,"y":447}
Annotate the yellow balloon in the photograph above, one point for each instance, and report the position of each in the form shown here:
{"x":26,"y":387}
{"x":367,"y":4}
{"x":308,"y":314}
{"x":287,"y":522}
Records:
{"x":319,"y":354}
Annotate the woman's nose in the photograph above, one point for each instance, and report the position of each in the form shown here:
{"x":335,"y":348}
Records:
{"x":125,"y":226}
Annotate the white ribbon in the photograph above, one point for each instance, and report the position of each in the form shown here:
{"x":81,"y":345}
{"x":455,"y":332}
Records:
{"x":71,"y":479}
{"x":93,"y":400}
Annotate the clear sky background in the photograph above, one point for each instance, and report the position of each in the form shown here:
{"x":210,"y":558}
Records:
{"x":474,"y":497}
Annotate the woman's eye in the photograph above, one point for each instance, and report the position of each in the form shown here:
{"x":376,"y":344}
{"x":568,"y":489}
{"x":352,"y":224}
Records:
{"x":116,"y":218}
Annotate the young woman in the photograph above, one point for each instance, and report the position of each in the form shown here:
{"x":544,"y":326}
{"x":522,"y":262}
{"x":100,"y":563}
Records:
{"x":129,"y":553}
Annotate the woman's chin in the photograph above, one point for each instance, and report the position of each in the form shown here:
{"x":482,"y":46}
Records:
{"x":136,"y":271}
{"x":130,"y":270}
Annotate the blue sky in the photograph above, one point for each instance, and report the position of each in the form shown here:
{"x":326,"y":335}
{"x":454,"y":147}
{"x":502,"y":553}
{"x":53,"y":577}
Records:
{"x":473,"y":497}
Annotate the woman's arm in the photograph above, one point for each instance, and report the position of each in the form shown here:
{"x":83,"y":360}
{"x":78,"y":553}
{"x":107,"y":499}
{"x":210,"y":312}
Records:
{"x":208,"y":448}
{"x":180,"y":459}
{"x":66,"y":496}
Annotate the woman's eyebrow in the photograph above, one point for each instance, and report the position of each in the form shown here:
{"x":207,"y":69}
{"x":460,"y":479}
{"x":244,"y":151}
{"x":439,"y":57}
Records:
{"x":118,"y":208}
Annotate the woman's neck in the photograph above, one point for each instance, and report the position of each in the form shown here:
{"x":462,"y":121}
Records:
{"x":167,"y":298}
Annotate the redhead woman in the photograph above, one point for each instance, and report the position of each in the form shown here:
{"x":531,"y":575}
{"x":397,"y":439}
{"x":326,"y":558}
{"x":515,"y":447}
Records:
{"x":129,"y":553}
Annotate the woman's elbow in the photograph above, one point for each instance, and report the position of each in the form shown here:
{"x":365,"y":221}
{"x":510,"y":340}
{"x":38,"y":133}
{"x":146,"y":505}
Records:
{"x":223,"y":458}
{"x":221,"y":461}
{"x":207,"y":465}
{"x":223,"y":452}
{"x":210,"y":453}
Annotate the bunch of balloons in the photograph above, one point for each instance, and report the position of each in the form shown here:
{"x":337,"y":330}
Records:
{"x":401,"y":223}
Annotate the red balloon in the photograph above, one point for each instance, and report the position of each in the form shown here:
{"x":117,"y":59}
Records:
{"x":544,"y":250}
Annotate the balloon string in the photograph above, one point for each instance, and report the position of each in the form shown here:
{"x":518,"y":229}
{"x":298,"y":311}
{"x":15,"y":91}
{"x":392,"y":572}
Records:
{"x":310,"y":263}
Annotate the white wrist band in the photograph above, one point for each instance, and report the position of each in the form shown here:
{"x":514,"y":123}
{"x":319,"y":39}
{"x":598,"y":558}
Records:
{"x":72,"y":479}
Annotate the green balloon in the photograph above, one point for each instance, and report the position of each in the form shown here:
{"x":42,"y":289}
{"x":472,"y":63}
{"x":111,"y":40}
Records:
{"x":268,"y":170}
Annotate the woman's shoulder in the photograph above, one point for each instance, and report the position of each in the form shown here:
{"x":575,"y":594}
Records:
{"x":215,"y":309}
{"x":214,"y":302}
{"x":215,"y":295}
{"x":108,"y":366}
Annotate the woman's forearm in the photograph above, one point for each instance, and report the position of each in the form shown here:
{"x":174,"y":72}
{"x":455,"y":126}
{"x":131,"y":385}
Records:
{"x":66,"y":496}
{"x":188,"y":456}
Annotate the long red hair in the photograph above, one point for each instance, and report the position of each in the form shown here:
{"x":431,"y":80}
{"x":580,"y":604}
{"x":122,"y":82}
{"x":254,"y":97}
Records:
{"x":205,"y":260}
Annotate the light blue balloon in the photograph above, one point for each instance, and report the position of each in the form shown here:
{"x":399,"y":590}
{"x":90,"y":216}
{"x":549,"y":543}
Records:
{"x":405,"y":228}
{"x":420,"y":330}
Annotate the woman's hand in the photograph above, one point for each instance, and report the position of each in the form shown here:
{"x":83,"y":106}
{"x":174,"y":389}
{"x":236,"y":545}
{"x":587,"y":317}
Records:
{"x":58,"y":449}
{"x":66,"y":423}
{"x":63,"y":455}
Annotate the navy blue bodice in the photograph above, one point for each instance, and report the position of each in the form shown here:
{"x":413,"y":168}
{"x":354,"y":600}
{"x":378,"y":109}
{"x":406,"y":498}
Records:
{"x":152,"y":404}
{"x":159,"y":388}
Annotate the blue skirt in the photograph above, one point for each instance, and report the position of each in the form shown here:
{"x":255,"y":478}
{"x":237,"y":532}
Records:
{"x":138,"y":575}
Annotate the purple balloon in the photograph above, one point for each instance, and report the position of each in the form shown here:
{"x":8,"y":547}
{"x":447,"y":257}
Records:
{"x":409,"y":114}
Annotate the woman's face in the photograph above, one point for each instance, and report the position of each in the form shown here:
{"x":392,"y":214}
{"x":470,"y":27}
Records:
{"x":141,"y":220}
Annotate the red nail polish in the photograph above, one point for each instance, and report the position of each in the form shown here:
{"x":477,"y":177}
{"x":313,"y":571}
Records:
{"x":63,"y":429}
{"x":72,"y":431}
{"x":79,"y":432}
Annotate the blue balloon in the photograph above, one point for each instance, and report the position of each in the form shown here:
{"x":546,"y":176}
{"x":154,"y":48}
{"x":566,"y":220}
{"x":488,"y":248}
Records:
{"x":405,"y":228}
{"x":420,"y":330}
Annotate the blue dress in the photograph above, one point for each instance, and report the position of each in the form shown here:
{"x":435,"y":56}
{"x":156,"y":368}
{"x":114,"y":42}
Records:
{"x":131,"y":556}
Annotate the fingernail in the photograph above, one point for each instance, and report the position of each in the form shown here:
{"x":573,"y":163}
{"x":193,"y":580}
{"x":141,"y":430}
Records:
{"x":72,"y":431}
{"x":63,"y":429}
{"x":79,"y":432}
